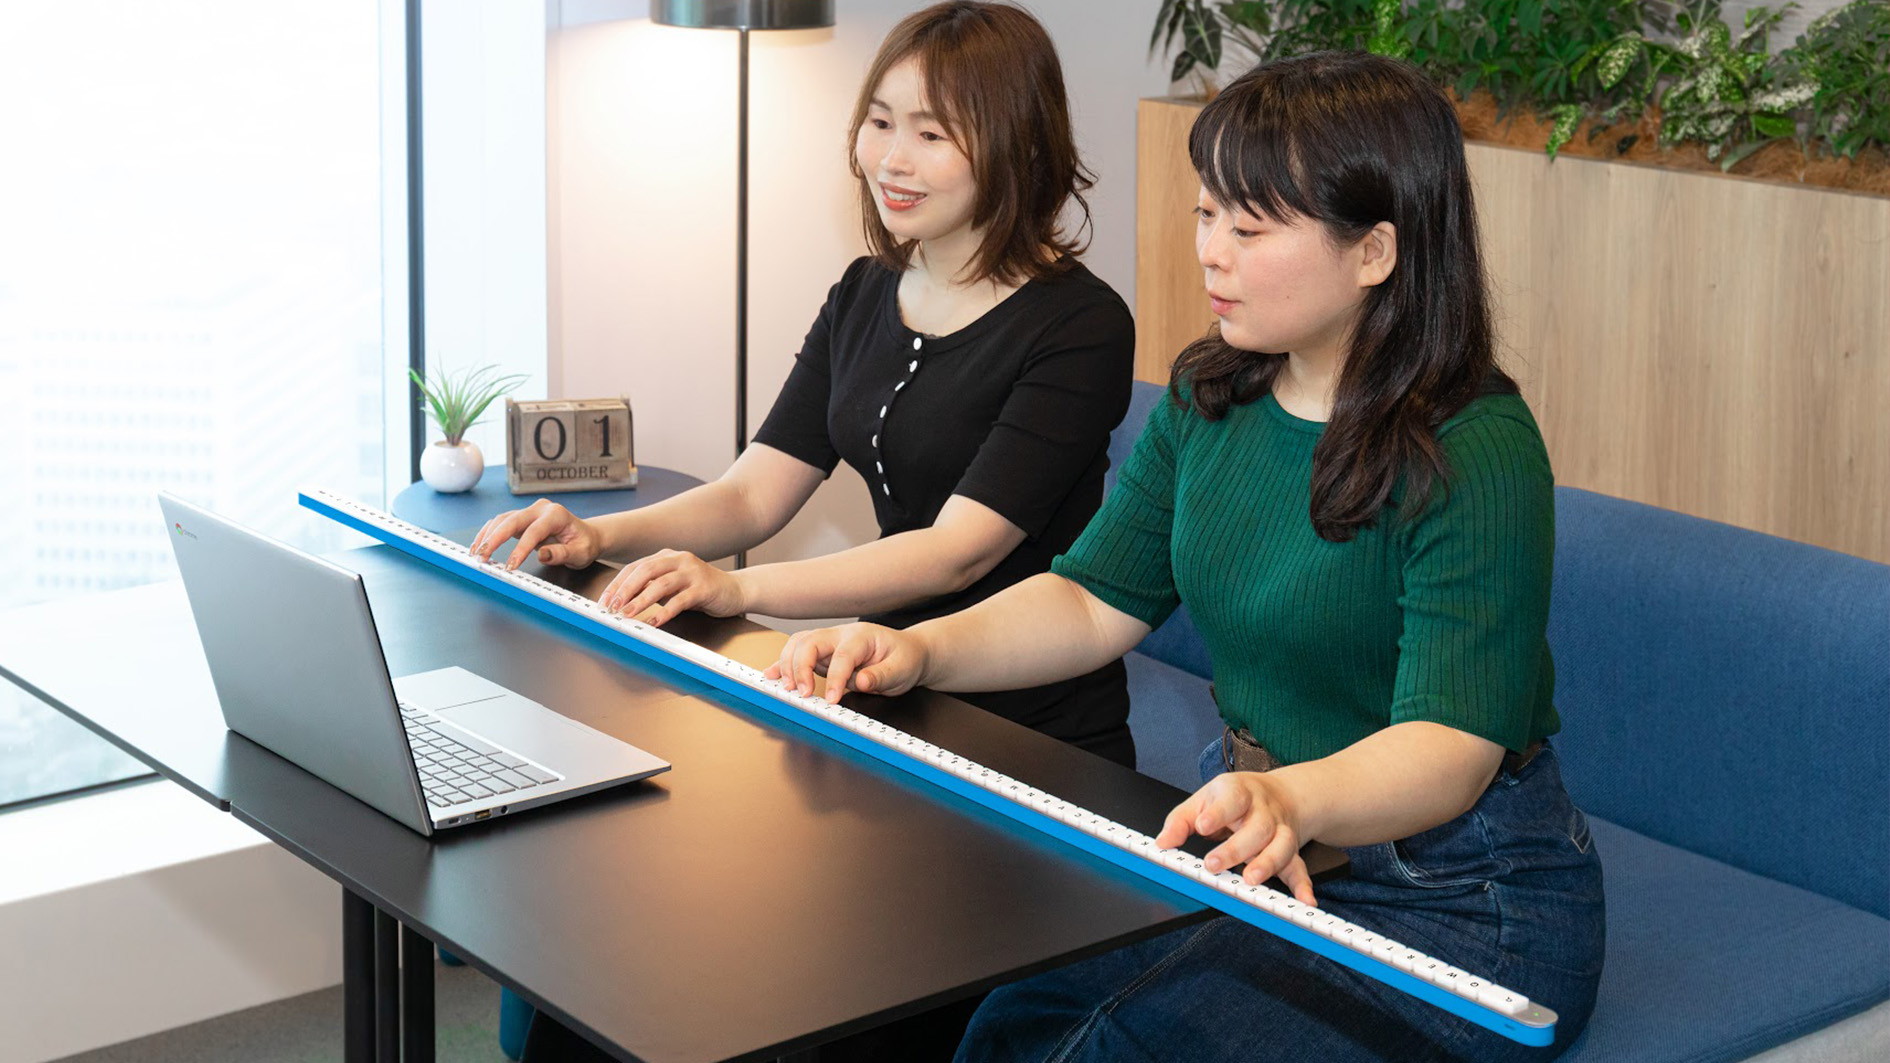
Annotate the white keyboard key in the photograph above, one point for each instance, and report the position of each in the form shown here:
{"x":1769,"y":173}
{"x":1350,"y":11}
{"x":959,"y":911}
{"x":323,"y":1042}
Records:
{"x":1503,"y":1001}
{"x":1337,"y":930}
{"x":1409,"y":960}
{"x":1444,"y":976}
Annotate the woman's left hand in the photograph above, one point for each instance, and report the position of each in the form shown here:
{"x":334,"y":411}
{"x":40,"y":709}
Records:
{"x":670,"y":581}
{"x":1253,"y":813}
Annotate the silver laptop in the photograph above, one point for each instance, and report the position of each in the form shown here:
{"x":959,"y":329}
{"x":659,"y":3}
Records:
{"x":299,"y":670}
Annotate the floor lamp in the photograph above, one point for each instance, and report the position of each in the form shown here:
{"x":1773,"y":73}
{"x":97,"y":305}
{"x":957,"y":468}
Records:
{"x":742,"y":16}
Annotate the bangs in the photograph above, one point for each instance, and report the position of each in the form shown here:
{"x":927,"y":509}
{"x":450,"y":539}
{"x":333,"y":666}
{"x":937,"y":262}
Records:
{"x":949,"y":92}
{"x":1248,"y":159}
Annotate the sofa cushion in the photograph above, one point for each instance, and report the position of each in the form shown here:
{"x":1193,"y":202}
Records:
{"x":1172,"y":718}
{"x":1706,"y":962}
{"x":1726,"y":691}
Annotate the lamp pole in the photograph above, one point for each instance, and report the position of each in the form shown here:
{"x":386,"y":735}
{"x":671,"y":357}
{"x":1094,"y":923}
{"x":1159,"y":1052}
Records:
{"x":741,"y":244}
{"x":742,"y":16}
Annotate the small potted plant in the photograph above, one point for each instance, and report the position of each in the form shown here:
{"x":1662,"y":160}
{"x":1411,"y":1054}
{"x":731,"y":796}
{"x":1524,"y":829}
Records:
{"x":454,"y":403}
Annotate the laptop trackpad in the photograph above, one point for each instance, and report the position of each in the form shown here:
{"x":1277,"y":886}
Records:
{"x":514,"y":722}
{"x":445,"y":688}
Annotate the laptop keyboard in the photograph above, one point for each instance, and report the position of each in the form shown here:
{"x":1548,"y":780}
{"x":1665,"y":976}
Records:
{"x":456,"y":767}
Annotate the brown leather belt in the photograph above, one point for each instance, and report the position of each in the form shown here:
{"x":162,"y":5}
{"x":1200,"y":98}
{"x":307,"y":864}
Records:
{"x":1241,"y":752}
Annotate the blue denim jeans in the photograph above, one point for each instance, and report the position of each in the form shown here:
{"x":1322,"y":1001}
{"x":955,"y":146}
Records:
{"x":1510,"y":890}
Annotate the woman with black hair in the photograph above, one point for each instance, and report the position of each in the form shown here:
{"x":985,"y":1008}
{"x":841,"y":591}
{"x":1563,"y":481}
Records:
{"x":1357,"y":508}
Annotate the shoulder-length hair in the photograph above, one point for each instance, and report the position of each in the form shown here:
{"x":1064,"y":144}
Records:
{"x":1349,"y":140}
{"x":992,"y":77}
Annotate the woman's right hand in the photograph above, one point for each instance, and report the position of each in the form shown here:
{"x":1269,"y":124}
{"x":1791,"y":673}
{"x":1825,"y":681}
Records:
{"x":560,"y":536}
{"x":868,"y":658}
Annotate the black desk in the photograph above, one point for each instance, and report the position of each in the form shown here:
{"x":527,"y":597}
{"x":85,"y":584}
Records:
{"x":772,"y":892}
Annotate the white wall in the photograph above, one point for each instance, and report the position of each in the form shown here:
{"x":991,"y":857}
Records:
{"x":642,"y":186}
{"x":143,"y":909}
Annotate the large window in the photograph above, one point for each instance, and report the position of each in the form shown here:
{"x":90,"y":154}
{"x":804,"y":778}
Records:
{"x":191,"y":295}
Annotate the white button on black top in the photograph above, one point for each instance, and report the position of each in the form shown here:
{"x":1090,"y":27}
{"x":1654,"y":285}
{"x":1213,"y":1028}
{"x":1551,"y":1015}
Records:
{"x":885,"y":487}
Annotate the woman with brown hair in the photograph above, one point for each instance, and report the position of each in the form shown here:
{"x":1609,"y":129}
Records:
{"x":970,"y":369}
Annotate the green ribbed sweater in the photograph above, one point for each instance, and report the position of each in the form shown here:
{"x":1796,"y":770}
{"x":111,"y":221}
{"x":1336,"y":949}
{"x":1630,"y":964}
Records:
{"x":1318,"y":644}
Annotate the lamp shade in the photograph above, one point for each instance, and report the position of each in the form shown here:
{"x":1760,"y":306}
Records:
{"x":743,"y":14}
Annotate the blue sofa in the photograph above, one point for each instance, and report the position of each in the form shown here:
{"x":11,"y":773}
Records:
{"x":1725,"y":698}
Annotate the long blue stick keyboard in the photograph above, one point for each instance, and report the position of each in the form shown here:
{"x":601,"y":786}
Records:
{"x":1425,"y":977}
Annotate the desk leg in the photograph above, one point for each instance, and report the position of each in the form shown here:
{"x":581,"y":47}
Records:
{"x":357,"y":978}
{"x":416,"y":996}
{"x":386,"y":988}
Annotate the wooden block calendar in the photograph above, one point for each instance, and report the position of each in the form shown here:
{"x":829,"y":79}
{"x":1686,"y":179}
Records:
{"x":568,"y":445}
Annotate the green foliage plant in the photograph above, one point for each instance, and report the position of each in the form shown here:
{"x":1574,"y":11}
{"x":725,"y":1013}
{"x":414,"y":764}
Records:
{"x":1846,"y":53}
{"x":455,"y":401}
{"x":1728,"y":93}
{"x":1604,"y":61}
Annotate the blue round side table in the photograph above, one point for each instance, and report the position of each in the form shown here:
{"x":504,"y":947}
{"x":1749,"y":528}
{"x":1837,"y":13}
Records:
{"x":438,"y":513}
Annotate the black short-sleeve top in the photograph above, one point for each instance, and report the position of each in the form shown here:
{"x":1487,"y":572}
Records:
{"x":1012,"y":411}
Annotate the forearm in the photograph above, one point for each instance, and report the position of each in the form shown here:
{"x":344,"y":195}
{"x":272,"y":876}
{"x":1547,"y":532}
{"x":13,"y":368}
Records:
{"x":884,"y":574}
{"x":711,"y":521}
{"x":1401,"y":781}
{"x":1041,"y":630}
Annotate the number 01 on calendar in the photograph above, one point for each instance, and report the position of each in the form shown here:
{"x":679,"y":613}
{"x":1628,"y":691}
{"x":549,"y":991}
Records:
{"x":568,"y":445}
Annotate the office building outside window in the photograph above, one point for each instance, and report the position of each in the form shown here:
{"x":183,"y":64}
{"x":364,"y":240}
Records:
{"x":192,"y":295}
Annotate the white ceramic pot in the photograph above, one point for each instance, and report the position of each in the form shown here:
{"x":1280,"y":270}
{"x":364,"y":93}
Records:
{"x":451,"y":469}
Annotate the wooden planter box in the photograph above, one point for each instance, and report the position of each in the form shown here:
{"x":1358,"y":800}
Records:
{"x":1709,"y":344}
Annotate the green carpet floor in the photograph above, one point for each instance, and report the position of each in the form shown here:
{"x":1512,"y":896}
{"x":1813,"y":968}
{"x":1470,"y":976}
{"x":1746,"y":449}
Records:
{"x":307,"y":1029}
